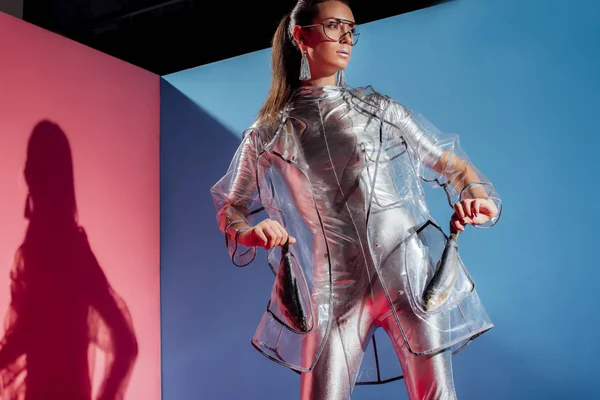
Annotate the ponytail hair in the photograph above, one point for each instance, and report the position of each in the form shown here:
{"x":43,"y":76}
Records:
{"x":285,"y":59}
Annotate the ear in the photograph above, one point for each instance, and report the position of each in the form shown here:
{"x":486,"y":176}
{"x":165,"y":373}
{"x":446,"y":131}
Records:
{"x":298,"y":35}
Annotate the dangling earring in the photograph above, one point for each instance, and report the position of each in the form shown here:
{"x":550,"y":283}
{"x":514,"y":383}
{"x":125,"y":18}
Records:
{"x":28,"y":206}
{"x":341,"y":78}
{"x":304,"y":68}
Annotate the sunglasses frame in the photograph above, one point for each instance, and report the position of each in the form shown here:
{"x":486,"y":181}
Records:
{"x":356,"y":36}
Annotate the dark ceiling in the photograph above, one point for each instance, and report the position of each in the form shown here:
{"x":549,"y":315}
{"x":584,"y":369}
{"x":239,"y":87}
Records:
{"x":168,"y":36}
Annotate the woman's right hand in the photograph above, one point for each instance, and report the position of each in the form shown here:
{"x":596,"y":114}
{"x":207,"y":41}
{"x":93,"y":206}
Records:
{"x":267,"y":234}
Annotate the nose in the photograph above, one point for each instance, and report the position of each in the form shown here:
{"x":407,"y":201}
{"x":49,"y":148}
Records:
{"x":345,"y":38}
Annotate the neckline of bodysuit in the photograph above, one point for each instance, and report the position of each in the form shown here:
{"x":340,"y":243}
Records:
{"x":312,"y":92}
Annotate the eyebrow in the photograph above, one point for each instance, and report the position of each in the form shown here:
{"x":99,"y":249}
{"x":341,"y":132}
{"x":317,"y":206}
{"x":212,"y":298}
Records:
{"x":340,"y":19}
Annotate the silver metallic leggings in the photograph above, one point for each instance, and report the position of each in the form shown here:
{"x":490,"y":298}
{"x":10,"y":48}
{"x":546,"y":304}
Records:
{"x":360,"y":307}
{"x":334,"y":375}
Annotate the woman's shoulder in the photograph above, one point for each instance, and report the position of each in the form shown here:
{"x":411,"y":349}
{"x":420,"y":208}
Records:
{"x":370,"y":94}
{"x":377,"y":101}
{"x":260,"y":130}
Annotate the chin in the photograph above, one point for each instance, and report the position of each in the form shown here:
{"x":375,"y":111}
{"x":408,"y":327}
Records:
{"x":339,"y":66}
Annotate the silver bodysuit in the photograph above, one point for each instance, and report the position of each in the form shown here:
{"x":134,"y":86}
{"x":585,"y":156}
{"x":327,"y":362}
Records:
{"x":340,"y":171}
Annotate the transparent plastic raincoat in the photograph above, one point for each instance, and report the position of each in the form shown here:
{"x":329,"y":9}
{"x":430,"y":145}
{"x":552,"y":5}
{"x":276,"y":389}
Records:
{"x":342,"y":172}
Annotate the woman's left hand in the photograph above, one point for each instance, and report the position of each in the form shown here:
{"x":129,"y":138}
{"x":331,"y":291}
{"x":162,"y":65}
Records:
{"x":473,"y":212}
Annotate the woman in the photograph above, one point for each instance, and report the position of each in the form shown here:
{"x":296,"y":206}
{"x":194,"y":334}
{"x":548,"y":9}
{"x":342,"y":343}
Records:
{"x":332,"y":174}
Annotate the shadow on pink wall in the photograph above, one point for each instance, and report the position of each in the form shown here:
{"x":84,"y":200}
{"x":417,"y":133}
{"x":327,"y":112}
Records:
{"x":62,"y":307}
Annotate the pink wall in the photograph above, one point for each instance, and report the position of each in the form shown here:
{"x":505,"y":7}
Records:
{"x":109,"y":112}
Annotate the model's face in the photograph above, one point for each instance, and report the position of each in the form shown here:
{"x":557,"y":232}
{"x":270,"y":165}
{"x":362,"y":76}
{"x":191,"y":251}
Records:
{"x":328,"y":41}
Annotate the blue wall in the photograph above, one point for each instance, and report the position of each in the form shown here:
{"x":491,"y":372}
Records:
{"x":519,"y":81}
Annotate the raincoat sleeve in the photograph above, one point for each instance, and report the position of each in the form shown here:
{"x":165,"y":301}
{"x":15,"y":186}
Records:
{"x":236,"y":199}
{"x":440,"y":160}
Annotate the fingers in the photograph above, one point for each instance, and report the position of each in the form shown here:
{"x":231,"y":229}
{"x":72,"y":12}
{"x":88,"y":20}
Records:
{"x":474,"y":211}
{"x":456,"y":223}
{"x":488,"y":207}
{"x":282,"y":235}
{"x":273,"y":234}
{"x":258,"y":231}
{"x":458,"y":226}
{"x":475,"y":205}
{"x":463,"y":211}
{"x":459,"y":209}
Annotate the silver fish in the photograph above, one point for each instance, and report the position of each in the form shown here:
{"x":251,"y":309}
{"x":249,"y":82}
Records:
{"x":287,"y":285}
{"x":442,"y":284}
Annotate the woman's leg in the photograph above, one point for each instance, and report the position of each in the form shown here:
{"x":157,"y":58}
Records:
{"x":336,"y":370}
{"x":427,"y":377}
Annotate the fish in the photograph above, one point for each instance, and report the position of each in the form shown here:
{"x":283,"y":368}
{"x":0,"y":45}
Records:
{"x":287,"y":287}
{"x":444,"y":279}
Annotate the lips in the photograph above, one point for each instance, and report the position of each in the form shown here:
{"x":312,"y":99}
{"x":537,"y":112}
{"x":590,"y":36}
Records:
{"x":343,"y":53}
